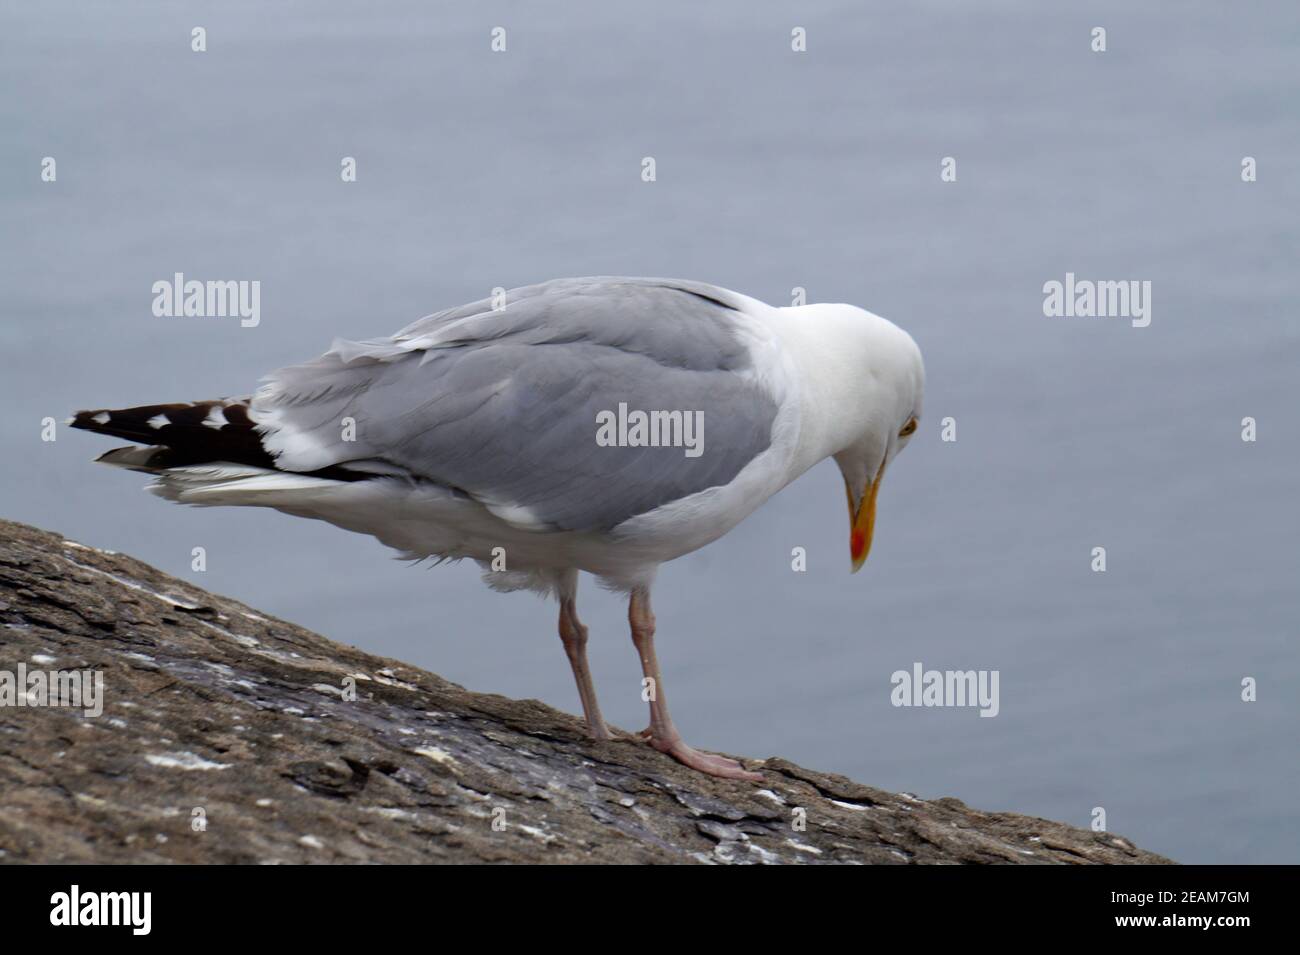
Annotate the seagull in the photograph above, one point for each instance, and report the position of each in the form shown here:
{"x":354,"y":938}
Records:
{"x":604,"y":425}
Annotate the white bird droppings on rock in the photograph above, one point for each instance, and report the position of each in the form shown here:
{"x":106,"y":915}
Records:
{"x":183,"y":760}
{"x":435,"y":754}
{"x":855,"y":806}
{"x":800,"y":847}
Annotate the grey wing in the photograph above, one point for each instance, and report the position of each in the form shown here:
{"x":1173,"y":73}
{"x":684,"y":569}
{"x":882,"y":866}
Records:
{"x":506,"y":404}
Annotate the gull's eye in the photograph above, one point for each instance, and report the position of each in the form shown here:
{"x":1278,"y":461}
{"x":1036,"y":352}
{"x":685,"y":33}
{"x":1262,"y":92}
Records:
{"x":908,"y":428}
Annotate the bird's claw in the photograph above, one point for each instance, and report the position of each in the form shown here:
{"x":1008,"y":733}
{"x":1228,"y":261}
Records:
{"x":709,"y":763}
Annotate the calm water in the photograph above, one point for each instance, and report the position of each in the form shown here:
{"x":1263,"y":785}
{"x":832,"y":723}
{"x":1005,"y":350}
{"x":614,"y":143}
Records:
{"x":775,"y":170}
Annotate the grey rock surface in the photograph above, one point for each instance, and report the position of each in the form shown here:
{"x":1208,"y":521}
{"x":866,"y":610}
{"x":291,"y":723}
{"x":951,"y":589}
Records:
{"x":227,"y":736}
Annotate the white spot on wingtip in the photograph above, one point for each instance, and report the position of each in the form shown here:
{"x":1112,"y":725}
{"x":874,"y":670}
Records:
{"x":158,"y":421}
{"x":101,"y":418}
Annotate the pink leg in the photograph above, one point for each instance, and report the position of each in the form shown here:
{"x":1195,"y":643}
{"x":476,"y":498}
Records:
{"x":663,"y":735}
{"x":574,"y":634}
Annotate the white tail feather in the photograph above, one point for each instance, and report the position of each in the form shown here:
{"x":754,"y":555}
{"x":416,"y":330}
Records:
{"x":210,"y":485}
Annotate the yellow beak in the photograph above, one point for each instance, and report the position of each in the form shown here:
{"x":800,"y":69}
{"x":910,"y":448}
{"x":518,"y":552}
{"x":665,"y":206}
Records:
{"x":862,"y":522}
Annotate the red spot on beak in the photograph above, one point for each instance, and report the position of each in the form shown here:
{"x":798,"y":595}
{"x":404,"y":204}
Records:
{"x":857,"y":543}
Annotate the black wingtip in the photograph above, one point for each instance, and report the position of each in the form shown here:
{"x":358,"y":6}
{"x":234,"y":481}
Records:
{"x":191,"y":432}
{"x":86,"y":420}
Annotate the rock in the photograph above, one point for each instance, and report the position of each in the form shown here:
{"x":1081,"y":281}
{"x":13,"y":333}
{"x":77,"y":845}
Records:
{"x":228,"y":736}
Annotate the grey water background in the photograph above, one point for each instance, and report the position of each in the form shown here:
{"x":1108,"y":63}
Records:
{"x":775,"y":169}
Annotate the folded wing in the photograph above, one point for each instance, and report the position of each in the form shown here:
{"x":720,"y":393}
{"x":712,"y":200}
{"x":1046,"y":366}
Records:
{"x":502,"y":404}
